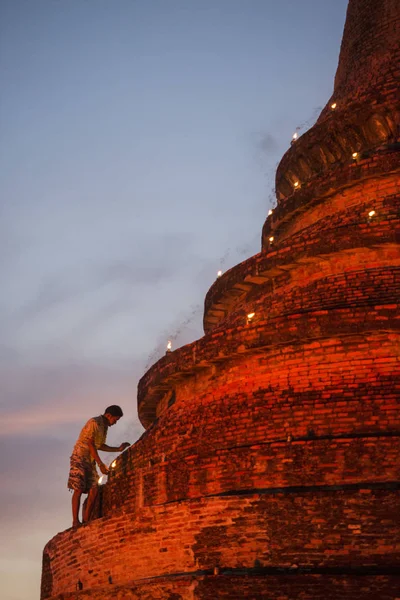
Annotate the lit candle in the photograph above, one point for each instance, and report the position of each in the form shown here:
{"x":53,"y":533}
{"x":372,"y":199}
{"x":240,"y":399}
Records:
{"x":295,"y":136}
{"x":271,"y":239}
{"x":270,"y":212}
{"x":219,"y":273}
{"x":355,"y":155}
{"x":169,"y":346}
{"x":114,"y":463}
{"x":250,"y":317}
{"x":371,"y":213}
{"x":333,"y":106}
{"x":296,"y":184}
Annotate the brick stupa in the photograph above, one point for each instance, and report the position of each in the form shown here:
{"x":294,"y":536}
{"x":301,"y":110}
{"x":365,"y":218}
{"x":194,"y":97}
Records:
{"x":269,"y":468}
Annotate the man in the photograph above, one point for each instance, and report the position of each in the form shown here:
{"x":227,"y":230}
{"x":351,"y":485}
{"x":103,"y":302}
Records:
{"x":83,"y":476}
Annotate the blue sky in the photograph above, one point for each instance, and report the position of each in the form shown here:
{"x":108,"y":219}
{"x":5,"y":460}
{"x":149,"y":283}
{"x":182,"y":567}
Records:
{"x":139,"y":140}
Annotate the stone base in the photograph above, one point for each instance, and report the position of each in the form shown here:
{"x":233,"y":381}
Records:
{"x":253,"y":585}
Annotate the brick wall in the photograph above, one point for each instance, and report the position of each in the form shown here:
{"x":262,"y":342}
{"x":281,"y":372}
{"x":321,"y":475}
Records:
{"x":370,"y":51}
{"x":305,"y":472}
{"x":269,"y":468}
{"x":304,"y":406}
{"x":330,"y":531}
{"x":256,"y":584}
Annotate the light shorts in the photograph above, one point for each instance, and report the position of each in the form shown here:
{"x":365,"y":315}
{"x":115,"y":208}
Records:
{"x":82,"y":475}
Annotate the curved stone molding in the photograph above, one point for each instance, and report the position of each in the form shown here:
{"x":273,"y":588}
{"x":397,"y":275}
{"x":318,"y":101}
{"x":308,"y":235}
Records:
{"x":270,"y":464}
{"x":317,"y":325}
{"x":317,"y":243}
{"x":231,"y":519}
{"x":345,"y":180}
{"x":333,"y":142}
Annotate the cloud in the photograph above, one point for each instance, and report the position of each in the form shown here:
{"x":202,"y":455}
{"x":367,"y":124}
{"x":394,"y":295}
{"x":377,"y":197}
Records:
{"x":94,"y":309}
{"x":179,"y":331}
{"x":58,"y":290}
{"x":35,"y":506}
{"x":8,"y":354}
{"x":105,"y":282}
{"x":267,"y":144}
{"x":33,"y":457}
{"x":43,"y":398}
{"x":52,"y":292}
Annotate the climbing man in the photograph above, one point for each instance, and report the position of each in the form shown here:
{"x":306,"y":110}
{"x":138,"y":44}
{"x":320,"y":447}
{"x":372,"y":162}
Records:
{"x":83,"y":476}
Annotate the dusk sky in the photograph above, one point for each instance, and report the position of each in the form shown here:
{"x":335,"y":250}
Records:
{"x":139,"y":142}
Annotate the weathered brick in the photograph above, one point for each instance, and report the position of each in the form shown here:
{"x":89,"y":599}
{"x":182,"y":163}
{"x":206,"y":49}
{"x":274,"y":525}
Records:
{"x":270,"y":466}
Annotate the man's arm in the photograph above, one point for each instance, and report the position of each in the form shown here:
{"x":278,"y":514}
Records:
{"x":120,"y":448}
{"x":94,"y":454}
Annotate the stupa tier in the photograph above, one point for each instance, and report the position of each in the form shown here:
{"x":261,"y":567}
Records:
{"x":270,"y":464}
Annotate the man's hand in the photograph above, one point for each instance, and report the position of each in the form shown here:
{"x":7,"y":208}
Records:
{"x":103,"y":468}
{"x":123,"y":446}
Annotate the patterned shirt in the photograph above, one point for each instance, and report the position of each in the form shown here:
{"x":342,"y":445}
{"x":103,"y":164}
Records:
{"x":95,"y":430}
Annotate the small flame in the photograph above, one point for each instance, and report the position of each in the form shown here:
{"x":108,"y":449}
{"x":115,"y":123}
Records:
{"x":270,"y":212}
{"x":355,"y":155}
{"x":333,"y":106}
{"x":169,"y":345}
{"x":250,"y":316}
{"x":296,"y":184}
{"x":100,"y":481}
{"x":114,"y":463}
{"x":271,"y":239}
{"x":219,"y":273}
{"x":371,"y":213}
{"x":295,"y":136}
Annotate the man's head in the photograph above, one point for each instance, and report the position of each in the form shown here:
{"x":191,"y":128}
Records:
{"x":113,"y":414}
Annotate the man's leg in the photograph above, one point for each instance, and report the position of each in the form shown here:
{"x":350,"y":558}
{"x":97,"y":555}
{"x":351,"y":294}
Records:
{"x":76,"y":502}
{"x":88,"y":506}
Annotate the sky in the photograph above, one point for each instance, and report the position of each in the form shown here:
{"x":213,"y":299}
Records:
{"x":138,"y":145}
